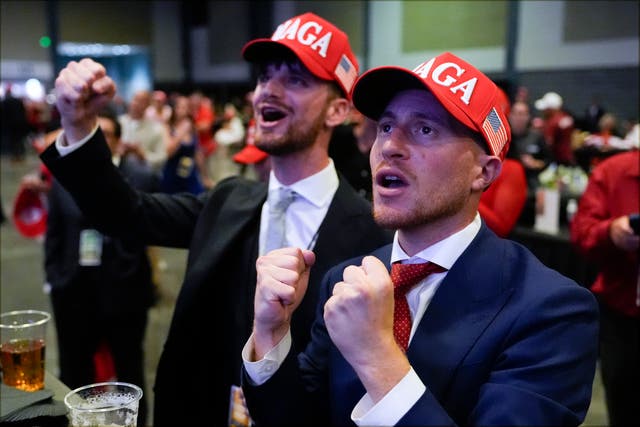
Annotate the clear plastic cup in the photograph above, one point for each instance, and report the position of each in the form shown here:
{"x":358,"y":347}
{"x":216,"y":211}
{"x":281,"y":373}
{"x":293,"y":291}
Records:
{"x":112,"y":404}
{"x":22,"y":348}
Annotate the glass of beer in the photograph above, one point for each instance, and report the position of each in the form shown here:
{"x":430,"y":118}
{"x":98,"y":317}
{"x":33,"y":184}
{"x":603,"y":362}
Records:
{"x":113,"y":404}
{"x":22,"y":346}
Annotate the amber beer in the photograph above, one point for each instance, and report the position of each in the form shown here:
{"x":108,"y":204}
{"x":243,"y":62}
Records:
{"x":22,"y":348}
{"x":22,"y":364}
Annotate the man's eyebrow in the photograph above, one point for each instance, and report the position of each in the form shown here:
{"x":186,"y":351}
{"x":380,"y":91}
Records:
{"x":387,"y":115}
{"x":417,"y":115}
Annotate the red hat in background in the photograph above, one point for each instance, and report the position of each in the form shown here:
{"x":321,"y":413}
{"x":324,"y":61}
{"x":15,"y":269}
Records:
{"x":250,"y":154}
{"x":469,"y":95}
{"x":321,"y":47}
{"x":30,"y":213}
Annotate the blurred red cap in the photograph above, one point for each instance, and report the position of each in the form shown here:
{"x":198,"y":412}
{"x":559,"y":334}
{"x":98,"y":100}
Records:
{"x":250,"y":155}
{"x":30,"y":213}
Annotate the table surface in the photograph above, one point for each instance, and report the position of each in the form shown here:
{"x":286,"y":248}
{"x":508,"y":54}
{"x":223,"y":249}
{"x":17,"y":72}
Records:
{"x":58,"y":388}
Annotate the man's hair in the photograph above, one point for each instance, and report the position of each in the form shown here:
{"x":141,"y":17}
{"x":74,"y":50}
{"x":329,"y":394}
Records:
{"x":461,"y":130}
{"x":288,"y":58}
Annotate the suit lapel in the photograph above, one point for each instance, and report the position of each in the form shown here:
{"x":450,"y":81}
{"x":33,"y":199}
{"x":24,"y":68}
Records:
{"x":240,"y":209}
{"x":466,"y":302}
{"x":332,"y":238}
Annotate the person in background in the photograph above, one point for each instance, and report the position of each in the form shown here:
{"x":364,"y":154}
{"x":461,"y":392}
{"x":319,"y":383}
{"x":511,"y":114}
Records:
{"x":204,"y":117}
{"x":530,"y":149}
{"x":182,"y":170}
{"x":592,"y":115}
{"x":100,"y":285}
{"x":602,"y":231}
{"x":15,"y":125}
{"x":301,"y":95}
{"x":502,"y":203}
{"x":143,"y":138}
{"x":607,"y":137}
{"x":159,"y":108}
{"x":349,"y":149}
{"x":557,"y":127}
{"x":527,"y":145}
{"x":365,"y":132}
{"x":230,"y":138}
{"x":491,"y":337}
{"x":632,"y":133}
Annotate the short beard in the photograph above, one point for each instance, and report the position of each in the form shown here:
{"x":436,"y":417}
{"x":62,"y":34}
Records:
{"x":426,"y":210}
{"x":296,"y":139}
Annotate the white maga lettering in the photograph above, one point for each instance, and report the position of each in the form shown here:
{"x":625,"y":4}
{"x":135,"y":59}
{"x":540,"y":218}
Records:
{"x":466,"y":88}
{"x":440,"y":77}
{"x":423,"y":69}
{"x":306,"y":34}
{"x":322,"y":45}
{"x":286,"y":30}
{"x":448,"y":80}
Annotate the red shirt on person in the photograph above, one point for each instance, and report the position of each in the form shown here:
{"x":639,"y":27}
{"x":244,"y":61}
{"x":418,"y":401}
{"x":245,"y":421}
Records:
{"x":613,"y":191}
{"x":502,"y":203}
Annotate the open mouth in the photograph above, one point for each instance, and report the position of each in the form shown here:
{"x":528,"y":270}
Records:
{"x":390,"y":181}
{"x":271,"y":114}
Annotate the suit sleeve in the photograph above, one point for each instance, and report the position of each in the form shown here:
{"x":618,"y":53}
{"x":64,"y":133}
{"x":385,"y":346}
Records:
{"x":104,"y":196}
{"x":298,"y":393}
{"x":54,"y":242}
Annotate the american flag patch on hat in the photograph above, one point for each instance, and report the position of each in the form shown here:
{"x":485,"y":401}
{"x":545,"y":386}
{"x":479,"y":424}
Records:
{"x":494,"y":131}
{"x":346,"y":72}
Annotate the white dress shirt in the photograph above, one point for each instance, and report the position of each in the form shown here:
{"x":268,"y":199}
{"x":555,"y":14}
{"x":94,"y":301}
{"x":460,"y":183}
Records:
{"x":306,"y":213}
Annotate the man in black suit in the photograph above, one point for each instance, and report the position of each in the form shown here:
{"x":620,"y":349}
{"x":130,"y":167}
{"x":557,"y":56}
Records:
{"x":101,"y":287}
{"x":305,"y":73}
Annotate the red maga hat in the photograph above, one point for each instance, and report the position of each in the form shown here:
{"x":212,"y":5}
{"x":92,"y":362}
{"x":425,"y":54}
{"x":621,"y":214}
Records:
{"x":250,"y":155}
{"x":469,"y":95}
{"x":30,"y":213}
{"x":321,"y":46}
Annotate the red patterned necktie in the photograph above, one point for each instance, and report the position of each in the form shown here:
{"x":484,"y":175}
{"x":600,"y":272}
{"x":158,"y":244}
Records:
{"x":404,"y":277}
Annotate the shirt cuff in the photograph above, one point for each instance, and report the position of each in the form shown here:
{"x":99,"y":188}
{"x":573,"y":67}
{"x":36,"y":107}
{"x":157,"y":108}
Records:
{"x":259,"y":372}
{"x":393,"y":406}
{"x":71,"y":147}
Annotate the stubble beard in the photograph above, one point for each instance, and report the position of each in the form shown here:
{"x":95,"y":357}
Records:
{"x":424,"y":210}
{"x":297,"y":137}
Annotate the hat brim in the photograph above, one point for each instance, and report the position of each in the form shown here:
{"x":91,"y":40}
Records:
{"x":260,"y":50}
{"x":375,"y":89}
{"x":250,"y":155}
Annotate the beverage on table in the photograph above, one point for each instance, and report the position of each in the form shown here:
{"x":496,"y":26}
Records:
{"x":112,"y":404}
{"x":22,"y":348}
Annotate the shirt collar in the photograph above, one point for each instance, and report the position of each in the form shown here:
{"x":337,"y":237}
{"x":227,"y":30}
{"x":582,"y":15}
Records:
{"x":445,"y":252}
{"x":318,"y":189}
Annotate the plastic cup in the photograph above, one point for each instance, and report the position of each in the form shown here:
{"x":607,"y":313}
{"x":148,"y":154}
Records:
{"x":112,"y":404}
{"x":22,"y":348}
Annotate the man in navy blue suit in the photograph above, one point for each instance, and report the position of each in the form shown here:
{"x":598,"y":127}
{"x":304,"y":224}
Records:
{"x":497,"y":338}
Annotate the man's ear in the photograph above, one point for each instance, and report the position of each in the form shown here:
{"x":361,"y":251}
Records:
{"x":337,"y":112}
{"x":491,"y":167}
